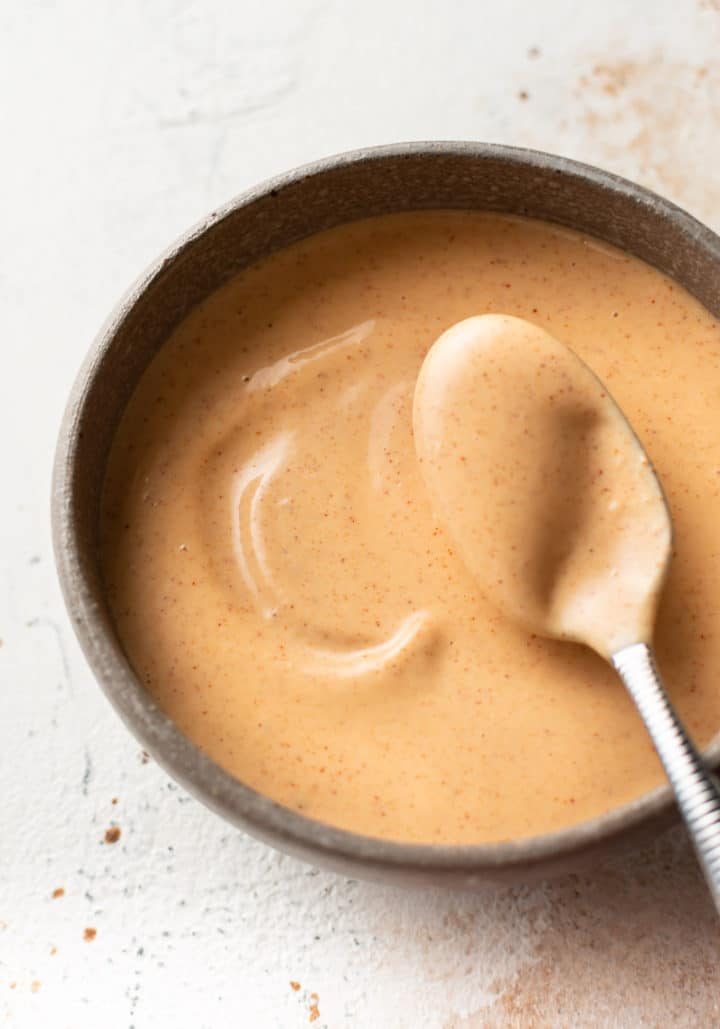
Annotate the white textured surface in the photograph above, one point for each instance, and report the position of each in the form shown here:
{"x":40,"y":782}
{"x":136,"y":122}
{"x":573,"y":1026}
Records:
{"x":122,"y":123}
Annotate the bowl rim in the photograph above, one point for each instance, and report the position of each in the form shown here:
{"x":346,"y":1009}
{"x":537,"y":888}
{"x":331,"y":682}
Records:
{"x":176,"y":753}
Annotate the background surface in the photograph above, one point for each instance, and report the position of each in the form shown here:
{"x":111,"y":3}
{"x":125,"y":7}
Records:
{"x":122,"y":124}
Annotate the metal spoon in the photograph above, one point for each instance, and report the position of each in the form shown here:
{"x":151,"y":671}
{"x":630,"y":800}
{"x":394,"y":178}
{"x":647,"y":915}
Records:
{"x":556,"y":510}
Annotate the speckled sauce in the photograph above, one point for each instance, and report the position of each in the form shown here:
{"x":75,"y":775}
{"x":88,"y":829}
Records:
{"x":542,"y":483}
{"x":282,"y":585}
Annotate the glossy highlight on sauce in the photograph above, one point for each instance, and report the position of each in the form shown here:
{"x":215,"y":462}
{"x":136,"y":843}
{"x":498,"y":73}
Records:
{"x":278,"y":574}
{"x":542,"y":483}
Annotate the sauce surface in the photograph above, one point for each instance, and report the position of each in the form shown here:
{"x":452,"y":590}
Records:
{"x":280,"y":580}
{"x":542,"y":483}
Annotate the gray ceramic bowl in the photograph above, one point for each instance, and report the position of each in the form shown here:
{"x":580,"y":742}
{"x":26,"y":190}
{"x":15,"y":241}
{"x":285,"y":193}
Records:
{"x":339,"y":189}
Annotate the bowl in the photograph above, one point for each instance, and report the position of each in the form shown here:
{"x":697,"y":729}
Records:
{"x":332,"y":191}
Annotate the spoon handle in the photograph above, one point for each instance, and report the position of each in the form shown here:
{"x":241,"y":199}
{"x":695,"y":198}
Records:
{"x":695,"y":789}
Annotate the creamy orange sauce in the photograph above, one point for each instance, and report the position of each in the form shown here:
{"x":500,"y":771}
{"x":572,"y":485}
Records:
{"x":278,"y":574}
{"x":542,"y":483}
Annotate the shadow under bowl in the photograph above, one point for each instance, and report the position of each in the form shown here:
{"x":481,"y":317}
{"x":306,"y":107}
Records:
{"x":401,"y":177}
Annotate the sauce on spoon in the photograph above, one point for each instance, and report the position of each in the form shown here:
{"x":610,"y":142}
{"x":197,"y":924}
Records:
{"x":534,"y":471}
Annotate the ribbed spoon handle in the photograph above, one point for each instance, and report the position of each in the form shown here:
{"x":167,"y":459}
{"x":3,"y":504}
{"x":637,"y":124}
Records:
{"x":695,"y":789}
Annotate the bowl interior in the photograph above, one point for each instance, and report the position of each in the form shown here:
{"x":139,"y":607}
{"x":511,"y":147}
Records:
{"x":404,"y":177}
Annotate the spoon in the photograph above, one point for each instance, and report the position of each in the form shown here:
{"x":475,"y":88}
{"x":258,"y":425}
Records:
{"x":555,"y":509}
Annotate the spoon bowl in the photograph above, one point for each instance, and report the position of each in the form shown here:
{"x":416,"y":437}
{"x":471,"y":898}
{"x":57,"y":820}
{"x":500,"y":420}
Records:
{"x":543,"y":484}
